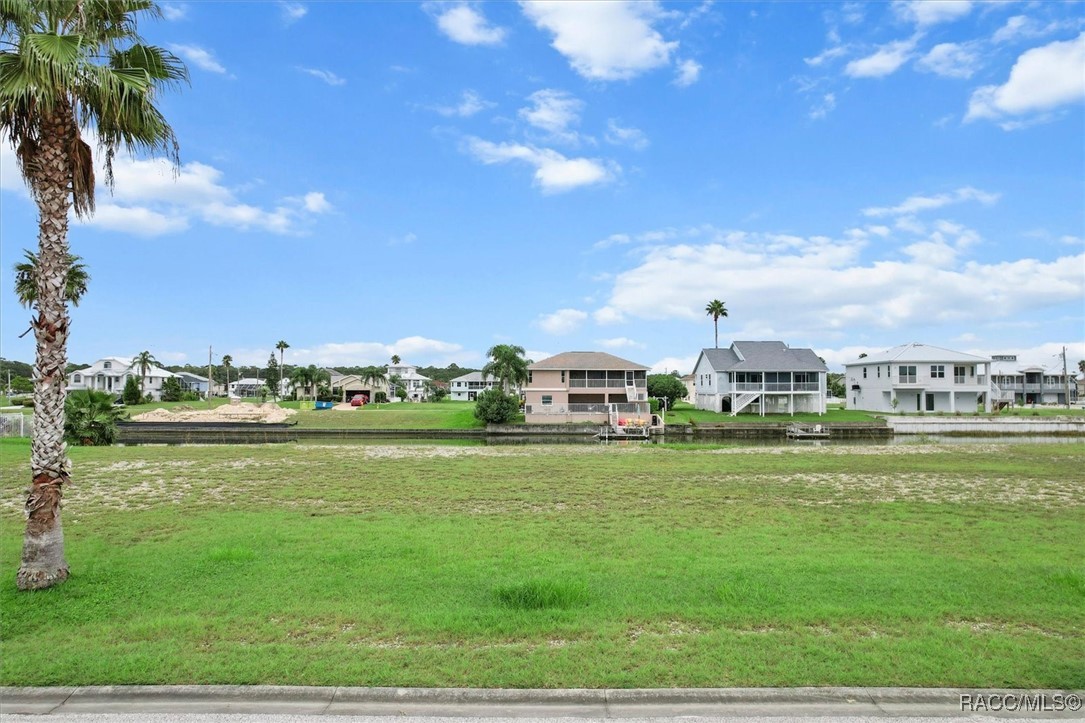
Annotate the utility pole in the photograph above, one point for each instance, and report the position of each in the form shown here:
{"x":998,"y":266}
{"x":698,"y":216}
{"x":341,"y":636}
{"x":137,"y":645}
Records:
{"x":1065,"y":378}
{"x":210,"y":379}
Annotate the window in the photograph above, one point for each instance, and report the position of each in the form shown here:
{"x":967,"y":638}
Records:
{"x":77,"y":379}
{"x":107,"y":365}
{"x":547,"y":399}
{"x":938,"y":371}
{"x":958,"y":375}
{"x":864,"y":372}
{"x":907,"y":374}
{"x":879,"y":370}
{"x":529,"y":377}
{"x":562,"y":376}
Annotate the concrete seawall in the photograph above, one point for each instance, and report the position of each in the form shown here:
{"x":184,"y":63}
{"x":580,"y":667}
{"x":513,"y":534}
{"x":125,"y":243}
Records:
{"x":982,"y":425}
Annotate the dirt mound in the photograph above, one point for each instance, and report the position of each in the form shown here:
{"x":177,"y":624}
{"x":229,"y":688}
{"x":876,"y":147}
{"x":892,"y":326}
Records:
{"x":267,"y":413}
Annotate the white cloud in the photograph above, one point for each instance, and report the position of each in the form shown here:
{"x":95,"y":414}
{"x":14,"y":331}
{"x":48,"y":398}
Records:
{"x":470,"y":104}
{"x":619,"y":342}
{"x":562,"y":321}
{"x":554,"y":111}
{"x":916,"y":204}
{"x":826,"y":55}
{"x":828,"y":103}
{"x":602,"y":39}
{"x":886,"y":60}
{"x":1041,"y":80}
{"x":621,"y":136}
{"x":554,"y":173}
{"x":174,"y":11}
{"x":199,"y":57}
{"x":315,"y":202}
{"x":1022,"y":27}
{"x":137,"y":221}
{"x":688,"y":73}
{"x":931,"y":12}
{"x":414,"y":350}
{"x":682,"y":364}
{"x":608,"y":315}
{"x":464,"y":24}
{"x":292,"y":12}
{"x":326,"y":75}
{"x":950,"y":60}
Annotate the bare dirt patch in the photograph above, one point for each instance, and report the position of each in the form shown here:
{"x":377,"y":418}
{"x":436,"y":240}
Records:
{"x":266,"y":413}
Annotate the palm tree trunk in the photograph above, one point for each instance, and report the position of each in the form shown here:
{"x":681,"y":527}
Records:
{"x":43,"y":562}
{"x":716,"y":323}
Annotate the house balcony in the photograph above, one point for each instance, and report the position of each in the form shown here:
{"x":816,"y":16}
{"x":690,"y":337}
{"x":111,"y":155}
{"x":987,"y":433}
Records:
{"x":775,"y":387}
{"x":603,"y":384}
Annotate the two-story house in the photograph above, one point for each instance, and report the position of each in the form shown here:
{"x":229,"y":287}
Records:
{"x":763,"y":377}
{"x":585,"y":386}
{"x":1015,"y":383}
{"x":466,"y":388}
{"x":112,"y":372}
{"x":409,"y":379}
{"x":919,"y":378}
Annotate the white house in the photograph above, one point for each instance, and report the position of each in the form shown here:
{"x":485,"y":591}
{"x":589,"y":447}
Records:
{"x":467,"y":387}
{"x":251,"y":386}
{"x":919,"y":378}
{"x":409,"y":379}
{"x":110,"y":374}
{"x":1016,"y":383}
{"x":192,"y":382}
{"x":766,"y":377}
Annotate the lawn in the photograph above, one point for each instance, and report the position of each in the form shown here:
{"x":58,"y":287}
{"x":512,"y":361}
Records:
{"x":396,"y":415}
{"x":557,"y":566}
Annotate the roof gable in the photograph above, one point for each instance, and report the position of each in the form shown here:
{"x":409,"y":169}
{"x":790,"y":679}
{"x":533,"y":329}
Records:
{"x":916,"y":352}
{"x":587,"y":360}
{"x":763,"y":356}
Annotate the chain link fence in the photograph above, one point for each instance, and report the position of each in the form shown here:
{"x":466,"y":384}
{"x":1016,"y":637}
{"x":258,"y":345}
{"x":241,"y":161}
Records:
{"x":16,"y":425}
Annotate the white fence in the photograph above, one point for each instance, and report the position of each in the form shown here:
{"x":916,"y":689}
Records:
{"x":16,"y":425}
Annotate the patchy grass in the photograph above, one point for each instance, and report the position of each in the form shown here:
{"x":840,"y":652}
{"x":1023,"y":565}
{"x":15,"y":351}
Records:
{"x":396,"y":415}
{"x":559,"y":566}
{"x":686,"y":413}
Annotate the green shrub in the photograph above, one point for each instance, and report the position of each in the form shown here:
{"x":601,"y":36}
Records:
{"x":130,"y":395}
{"x":190,"y":396}
{"x":90,"y":419}
{"x":493,"y":406}
{"x":171,"y":390}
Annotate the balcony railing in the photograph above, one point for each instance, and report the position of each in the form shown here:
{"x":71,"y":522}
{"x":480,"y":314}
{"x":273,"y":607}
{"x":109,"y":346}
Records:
{"x":602,"y":384}
{"x":586,"y":409}
{"x":776,"y":387}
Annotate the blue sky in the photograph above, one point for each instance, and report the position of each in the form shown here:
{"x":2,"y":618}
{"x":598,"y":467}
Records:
{"x":428,"y":180}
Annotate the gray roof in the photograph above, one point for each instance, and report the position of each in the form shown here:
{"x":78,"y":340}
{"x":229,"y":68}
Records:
{"x":587,"y":360}
{"x":474,"y":377}
{"x":764,"y":356}
{"x":916,"y":352}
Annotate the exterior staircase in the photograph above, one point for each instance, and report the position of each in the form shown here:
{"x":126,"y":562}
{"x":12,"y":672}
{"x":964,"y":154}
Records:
{"x":743,"y":401}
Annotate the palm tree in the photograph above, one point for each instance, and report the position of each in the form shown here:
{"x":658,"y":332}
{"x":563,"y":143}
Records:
{"x":375,"y":377}
{"x":90,"y":417}
{"x":68,"y":65}
{"x":143,"y":361}
{"x":309,"y":377}
{"x":395,"y":359}
{"x":227,"y":360}
{"x":507,"y":365}
{"x":26,"y":281}
{"x":716,"y":309}
{"x":281,"y":346}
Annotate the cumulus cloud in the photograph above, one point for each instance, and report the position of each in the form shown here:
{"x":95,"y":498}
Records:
{"x":326,"y":75}
{"x":931,"y":12}
{"x":824,"y":108}
{"x":826,"y":55}
{"x":950,"y":60}
{"x":554,"y":111}
{"x":886,"y":60}
{"x":200,"y":57}
{"x":554,"y":173}
{"x":174,"y":11}
{"x":619,"y":342}
{"x":562,"y":321}
{"x":470,"y":103}
{"x":604,"y":39}
{"x":916,"y":204}
{"x":1022,"y":27}
{"x":619,"y":135}
{"x":689,"y":71}
{"x":464,"y":24}
{"x":413,"y":350}
{"x":315,"y":202}
{"x":1041,"y":80}
{"x":137,"y":221}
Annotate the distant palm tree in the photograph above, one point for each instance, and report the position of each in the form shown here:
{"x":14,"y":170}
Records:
{"x":374,"y":377}
{"x":395,"y":359}
{"x":716,"y":309}
{"x":507,"y":365}
{"x":227,"y":360}
{"x":281,"y":346}
{"x":67,"y":66}
{"x":1081,"y":366}
{"x":143,"y":361}
{"x":309,"y":377}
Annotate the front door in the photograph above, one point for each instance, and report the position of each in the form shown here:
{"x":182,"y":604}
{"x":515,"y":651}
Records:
{"x":930,"y":402}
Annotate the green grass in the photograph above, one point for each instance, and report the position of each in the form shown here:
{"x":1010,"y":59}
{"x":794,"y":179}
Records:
{"x":685,"y":413}
{"x":557,"y":567}
{"x":396,"y":415}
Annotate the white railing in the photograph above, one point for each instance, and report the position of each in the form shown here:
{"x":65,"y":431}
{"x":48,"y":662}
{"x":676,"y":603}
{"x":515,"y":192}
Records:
{"x":601,"y":384}
{"x":776,"y":387}
{"x":585,"y":409}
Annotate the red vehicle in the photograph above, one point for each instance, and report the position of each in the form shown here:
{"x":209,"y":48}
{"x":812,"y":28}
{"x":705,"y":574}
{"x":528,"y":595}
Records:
{"x":359,"y":400}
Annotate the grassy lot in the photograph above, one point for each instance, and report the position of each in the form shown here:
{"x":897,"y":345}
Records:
{"x":551,"y":566}
{"x":685,"y":413}
{"x":397,"y":415}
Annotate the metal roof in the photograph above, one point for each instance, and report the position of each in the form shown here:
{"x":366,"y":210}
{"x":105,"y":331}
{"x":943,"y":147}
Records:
{"x":916,"y":352}
{"x":475,"y":377}
{"x":587,"y":360}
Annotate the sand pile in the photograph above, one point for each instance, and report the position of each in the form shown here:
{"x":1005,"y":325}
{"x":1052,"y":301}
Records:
{"x":270,"y":413}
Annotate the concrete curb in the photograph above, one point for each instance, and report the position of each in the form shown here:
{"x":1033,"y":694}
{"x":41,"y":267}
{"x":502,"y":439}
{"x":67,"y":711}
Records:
{"x":489,"y":702}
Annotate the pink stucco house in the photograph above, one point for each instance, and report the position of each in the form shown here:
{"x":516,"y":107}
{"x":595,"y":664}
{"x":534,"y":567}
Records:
{"x":585,"y":386}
